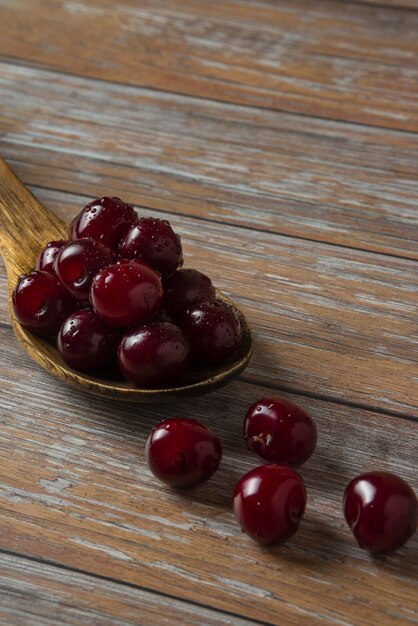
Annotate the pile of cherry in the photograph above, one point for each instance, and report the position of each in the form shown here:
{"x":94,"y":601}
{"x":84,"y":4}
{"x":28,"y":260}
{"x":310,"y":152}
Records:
{"x":115,"y":293}
{"x":269,"y":501}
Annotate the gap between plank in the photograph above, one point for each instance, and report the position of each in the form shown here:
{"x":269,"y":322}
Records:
{"x":331,"y":400}
{"x":117,"y":581}
{"x":306,"y":394}
{"x":232,"y":224}
{"x":374,"y":5}
{"x":11,"y":60}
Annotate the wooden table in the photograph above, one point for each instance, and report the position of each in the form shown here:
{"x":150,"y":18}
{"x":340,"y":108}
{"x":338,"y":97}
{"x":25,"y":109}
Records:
{"x":280,"y":138}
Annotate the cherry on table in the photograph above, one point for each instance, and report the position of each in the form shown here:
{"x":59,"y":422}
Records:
{"x":382,"y":511}
{"x":269,"y":502}
{"x":126,"y":293}
{"x":47,"y":256}
{"x":78,"y":262}
{"x":182,"y":452}
{"x":214,"y":331}
{"x":156,"y":354}
{"x":280,"y":432}
{"x":104,"y":219}
{"x":153,"y":241}
{"x":86,"y":343}
{"x":184,"y":288}
{"x":40,"y":303}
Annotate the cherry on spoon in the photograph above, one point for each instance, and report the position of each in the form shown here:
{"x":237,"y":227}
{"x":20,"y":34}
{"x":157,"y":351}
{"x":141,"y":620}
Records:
{"x":25,"y":227}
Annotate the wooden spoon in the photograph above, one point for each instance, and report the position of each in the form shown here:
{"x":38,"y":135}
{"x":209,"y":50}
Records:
{"x":25,"y":227}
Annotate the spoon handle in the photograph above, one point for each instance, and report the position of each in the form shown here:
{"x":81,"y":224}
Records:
{"x":25,"y":224}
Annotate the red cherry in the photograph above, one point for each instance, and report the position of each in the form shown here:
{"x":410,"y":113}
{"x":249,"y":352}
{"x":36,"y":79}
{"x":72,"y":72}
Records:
{"x":105,"y":220}
{"x":214,"y":331}
{"x":126,"y":293}
{"x":40,"y":303}
{"x":381,"y":510}
{"x":163,"y":316}
{"x":153,"y":241}
{"x":154,"y":355}
{"x":86,"y":343}
{"x":78,"y":262}
{"x":183,"y":452}
{"x":269,"y":502}
{"x":280,"y":432}
{"x":184,"y":288}
{"x":47,"y":256}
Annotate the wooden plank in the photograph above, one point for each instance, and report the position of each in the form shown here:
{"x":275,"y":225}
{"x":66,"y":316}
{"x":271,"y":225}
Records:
{"x":334,"y":60}
{"x":336,"y":323}
{"x":75,"y":490}
{"x":34,"y":594}
{"x":316,"y":179}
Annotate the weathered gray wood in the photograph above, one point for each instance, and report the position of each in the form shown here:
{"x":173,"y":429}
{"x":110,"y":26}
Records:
{"x":323,"y":180}
{"x":38,"y":594}
{"x":329,"y":59}
{"x":76,"y":490}
{"x":330,"y":321}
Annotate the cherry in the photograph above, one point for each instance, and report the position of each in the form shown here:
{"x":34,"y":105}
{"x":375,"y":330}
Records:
{"x":40,"y":303}
{"x":105,"y":220}
{"x":213,"y":329}
{"x":86,"y":343}
{"x":126,"y":293}
{"x":46,"y":257}
{"x":182,"y":452}
{"x":163,"y":316}
{"x":78,"y":262}
{"x":381,"y":510}
{"x":185,"y":287}
{"x":269,"y":502}
{"x":155,"y":242}
{"x":280,"y":432}
{"x":154,"y":355}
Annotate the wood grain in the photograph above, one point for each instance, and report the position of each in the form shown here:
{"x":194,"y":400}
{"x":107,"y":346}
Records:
{"x":328,"y":59}
{"x":34,"y":594}
{"x":70,"y":597}
{"x":336,"y":323}
{"x":280,"y":138}
{"x":24,"y":223}
{"x":309,"y":178}
{"x":76,"y":491}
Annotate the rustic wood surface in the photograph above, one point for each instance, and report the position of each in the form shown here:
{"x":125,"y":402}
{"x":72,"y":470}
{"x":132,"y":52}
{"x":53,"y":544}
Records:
{"x":332,"y":59}
{"x":281,"y":140}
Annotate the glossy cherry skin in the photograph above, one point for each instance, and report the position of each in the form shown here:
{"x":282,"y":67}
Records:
{"x":40,"y":303}
{"x":183,"y":452}
{"x":78,"y":262}
{"x":184,"y":288}
{"x":47,"y":256}
{"x":105,"y":219}
{"x":280,"y":432}
{"x":155,"y":242}
{"x":214,"y":331}
{"x":126,"y":293}
{"x":382,"y":511}
{"x":269,"y":502}
{"x":86,"y":343}
{"x":156,"y":354}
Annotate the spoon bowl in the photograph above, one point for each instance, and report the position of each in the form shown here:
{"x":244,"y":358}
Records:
{"x":25,"y":227}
